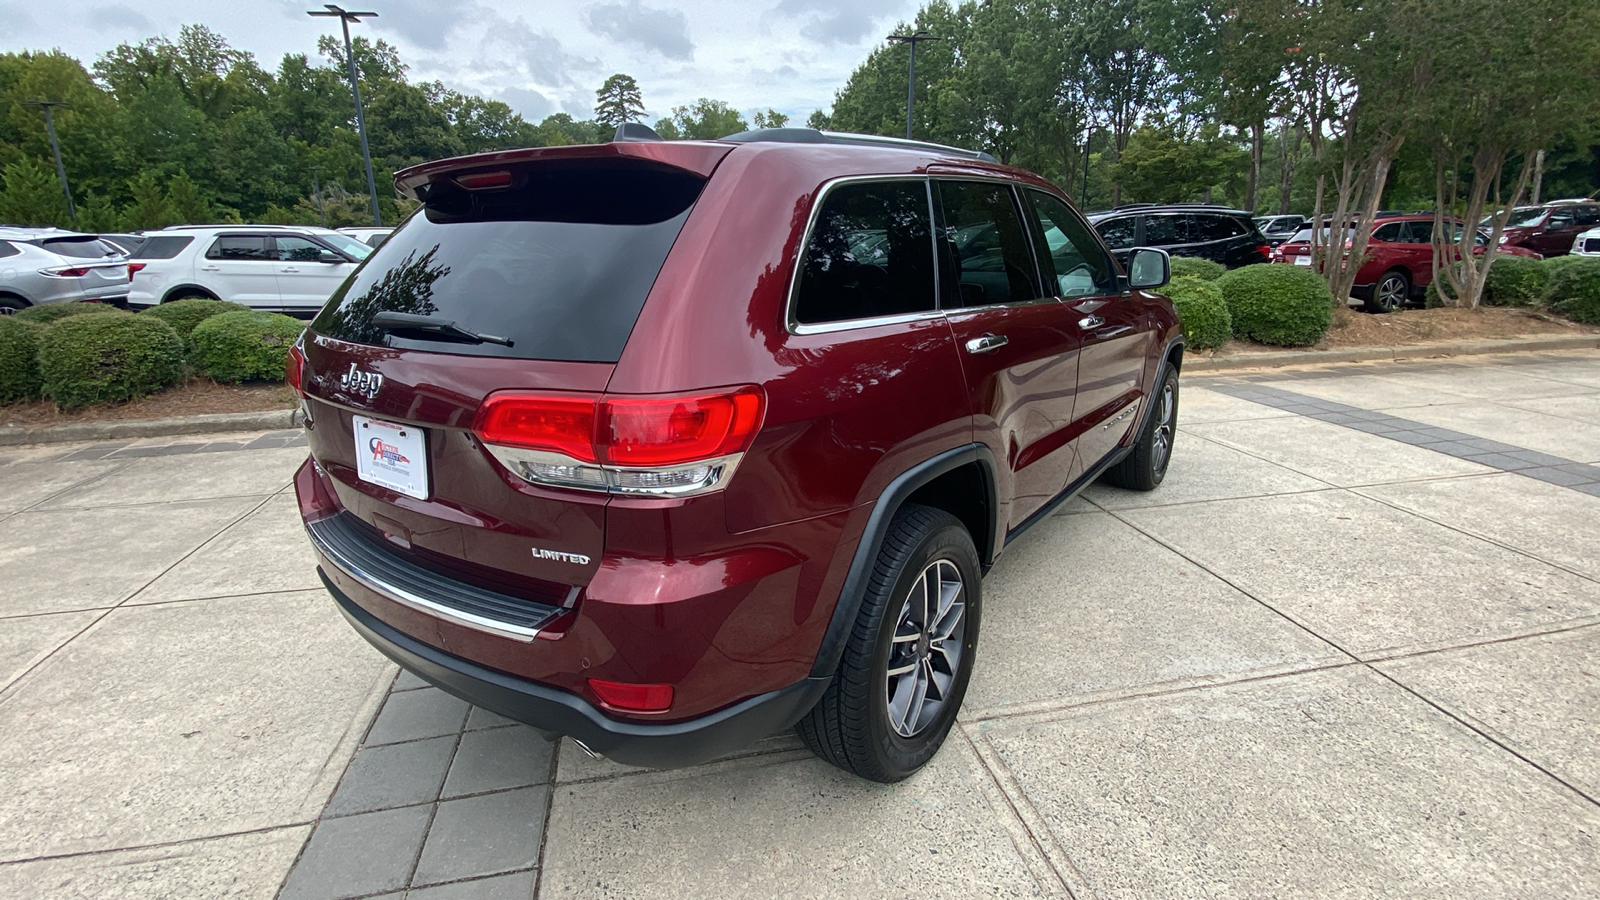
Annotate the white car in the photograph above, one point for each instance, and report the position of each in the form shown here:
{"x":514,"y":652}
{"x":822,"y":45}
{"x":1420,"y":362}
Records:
{"x":281,"y":268}
{"x":1587,"y":243}
{"x":371,"y":234}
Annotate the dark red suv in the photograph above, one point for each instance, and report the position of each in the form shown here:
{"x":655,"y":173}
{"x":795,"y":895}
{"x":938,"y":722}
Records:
{"x":669,"y":446}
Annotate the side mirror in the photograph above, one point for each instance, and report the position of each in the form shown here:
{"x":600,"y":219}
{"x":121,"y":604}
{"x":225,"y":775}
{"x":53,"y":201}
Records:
{"x":328,"y":256}
{"x":1148,"y":268}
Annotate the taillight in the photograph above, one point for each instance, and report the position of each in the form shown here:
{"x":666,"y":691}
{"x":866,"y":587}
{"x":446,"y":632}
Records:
{"x":1265,"y":250}
{"x":135,"y":268}
{"x":662,"y":445}
{"x":633,"y":697}
{"x":66,"y":272}
{"x":295,"y":370}
{"x":484,"y":181}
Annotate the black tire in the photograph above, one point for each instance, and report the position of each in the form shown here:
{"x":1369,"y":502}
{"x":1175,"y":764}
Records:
{"x":1390,"y":294}
{"x":1146,"y":464}
{"x":11,"y":304}
{"x":851,"y":725}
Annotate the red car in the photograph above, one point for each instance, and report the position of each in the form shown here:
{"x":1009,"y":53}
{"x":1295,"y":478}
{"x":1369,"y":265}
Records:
{"x":1399,"y":264}
{"x":680,"y":444}
{"x":1549,"y":229}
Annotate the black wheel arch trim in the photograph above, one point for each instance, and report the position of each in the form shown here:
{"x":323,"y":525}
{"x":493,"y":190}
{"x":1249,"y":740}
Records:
{"x":172,"y":293}
{"x":889,"y":502}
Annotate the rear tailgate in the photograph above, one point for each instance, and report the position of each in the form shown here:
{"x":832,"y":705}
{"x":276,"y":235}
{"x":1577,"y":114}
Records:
{"x":547,"y":258}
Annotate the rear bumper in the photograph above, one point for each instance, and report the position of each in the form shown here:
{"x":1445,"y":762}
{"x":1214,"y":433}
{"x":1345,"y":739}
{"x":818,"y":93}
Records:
{"x":667,"y":745}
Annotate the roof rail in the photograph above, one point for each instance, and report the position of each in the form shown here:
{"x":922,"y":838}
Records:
{"x":813,"y":136}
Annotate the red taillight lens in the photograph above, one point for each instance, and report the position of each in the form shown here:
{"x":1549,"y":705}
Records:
{"x":295,"y":371}
{"x":633,"y":697}
{"x":560,"y":423}
{"x":623,"y":430}
{"x":66,"y":272}
{"x":135,"y":268}
{"x":1265,"y":250}
{"x":661,"y":431}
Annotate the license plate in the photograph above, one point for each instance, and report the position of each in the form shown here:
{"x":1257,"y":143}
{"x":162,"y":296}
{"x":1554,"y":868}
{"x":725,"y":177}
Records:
{"x":392,"y":456}
{"x":1302,"y":260}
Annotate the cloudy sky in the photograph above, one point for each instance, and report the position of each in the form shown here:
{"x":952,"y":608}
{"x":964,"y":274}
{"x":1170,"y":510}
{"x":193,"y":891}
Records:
{"x":540,"y":57}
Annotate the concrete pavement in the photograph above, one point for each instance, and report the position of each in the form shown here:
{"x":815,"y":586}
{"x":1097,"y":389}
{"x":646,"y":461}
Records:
{"x":1350,"y":648}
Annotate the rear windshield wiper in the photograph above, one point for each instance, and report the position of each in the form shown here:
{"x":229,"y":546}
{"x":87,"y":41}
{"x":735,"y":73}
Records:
{"x":430,"y":327}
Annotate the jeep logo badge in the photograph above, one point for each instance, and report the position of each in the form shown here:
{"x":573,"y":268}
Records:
{"x":356,"y":381}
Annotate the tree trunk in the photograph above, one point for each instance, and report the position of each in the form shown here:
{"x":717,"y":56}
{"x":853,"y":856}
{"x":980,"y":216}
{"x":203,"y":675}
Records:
{"x":1538,"y":176}
{"x":1289,"y":162}
{"x":1252,"y":188}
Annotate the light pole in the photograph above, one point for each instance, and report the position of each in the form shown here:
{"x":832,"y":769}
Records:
{"x":55,"y":147}
{"x":345,"y":18}
{"x":911,"y":75}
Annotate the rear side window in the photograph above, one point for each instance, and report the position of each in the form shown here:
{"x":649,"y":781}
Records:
{"x":1416,"y":232}
{"x":7,"y":250}
{"x":162,"y":247}
{"x":93,"y":248}
{"x":992,"y":260}
{"x":871,"y":255}
{"x":1162,"y":231}
{"x":241,"y":247}
{"x":1588,"y":215}
{"x":1217,"y":228}
{"x":560,"y":262}
{"x":1390,"y":233}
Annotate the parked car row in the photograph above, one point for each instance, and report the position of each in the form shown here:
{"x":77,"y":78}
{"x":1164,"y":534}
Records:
{"x":1399,"y":257}
{"x":1552,"y":229}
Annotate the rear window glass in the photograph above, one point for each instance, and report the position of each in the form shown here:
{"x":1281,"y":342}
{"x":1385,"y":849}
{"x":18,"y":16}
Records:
{"x":162,"y":247}
{"x":72,"y":248}
{"x":560,"y":263}
{"x":871,"y":255}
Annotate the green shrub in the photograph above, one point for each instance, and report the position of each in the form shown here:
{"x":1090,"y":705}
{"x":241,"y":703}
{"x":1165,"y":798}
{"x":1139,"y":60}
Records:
{"x":1555,"y":265}
{"x":1574,"y":290}
{"x":19,"y":360}
{"x":1289,"y":306}
{"x":1204,"y":269}
{"x":244,"y":346}
{"x":54,"y":312}
{"x":184,"y":315}
{"x":108,"y":358}
{"x":1515,"y":281}
{"x":1202,"y":311}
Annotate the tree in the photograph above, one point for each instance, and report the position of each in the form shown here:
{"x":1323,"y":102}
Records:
{"x":184,"y":201}
{"x":618,"y":101}
{"x":702,"y":120}
{"x":1500,"y":92}
{"x":819,"y":120}
{"x":98,"y":215}
{"x":1164,"y":165}
{"x":771,"y":119}
{"x":149,"y":209}
{"x":32,"y":196}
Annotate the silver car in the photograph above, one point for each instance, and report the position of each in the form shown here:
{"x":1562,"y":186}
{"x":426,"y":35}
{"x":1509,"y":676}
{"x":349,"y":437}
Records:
{"x":51,"y":266}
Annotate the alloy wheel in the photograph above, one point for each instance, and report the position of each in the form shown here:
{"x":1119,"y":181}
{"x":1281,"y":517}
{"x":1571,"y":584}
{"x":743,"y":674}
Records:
{"x":925,"y":653}
{"x":1392,"y":293}
{"x":1161,"y":448}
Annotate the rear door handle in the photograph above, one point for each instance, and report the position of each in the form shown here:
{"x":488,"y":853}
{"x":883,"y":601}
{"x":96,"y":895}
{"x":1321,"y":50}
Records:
{"x":211,"y":268}
{"x":986,"y":343}
{"x":1088,"y":322}
{"x":289,"y":269}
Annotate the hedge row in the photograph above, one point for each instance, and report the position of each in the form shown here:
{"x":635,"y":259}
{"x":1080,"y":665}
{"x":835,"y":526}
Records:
{"x":1566,"y":285}
{"x":79,"y":354}
{"x":1288,"y":306}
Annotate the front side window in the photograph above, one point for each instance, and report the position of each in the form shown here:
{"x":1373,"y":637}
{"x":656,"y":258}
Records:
{"x":241,"y":247}
{"x":987,"y":244}
{"x":1560,"y":220}
{"x":1119,"y":233}
{"x":871,"y":255}
{"x":298,"y":249}
{"x":1071,"y":257}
